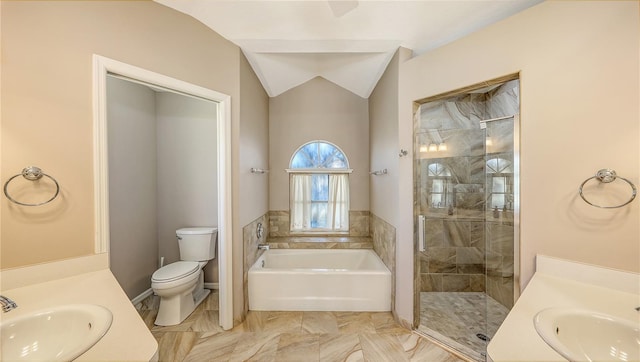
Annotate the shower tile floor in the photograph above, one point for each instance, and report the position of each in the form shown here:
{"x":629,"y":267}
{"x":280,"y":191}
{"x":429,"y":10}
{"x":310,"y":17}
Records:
{"x":454,"y":319}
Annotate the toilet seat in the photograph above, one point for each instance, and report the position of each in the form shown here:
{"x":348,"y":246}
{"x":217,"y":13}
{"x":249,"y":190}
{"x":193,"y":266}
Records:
{"x":175,"y":271}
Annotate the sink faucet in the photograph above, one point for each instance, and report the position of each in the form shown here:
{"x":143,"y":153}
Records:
{"x":263,"y":246}
{"x":7,"y":304}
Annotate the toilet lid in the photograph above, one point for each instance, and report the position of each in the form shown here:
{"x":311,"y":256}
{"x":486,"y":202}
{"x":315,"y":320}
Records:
{"x":177,"y":270}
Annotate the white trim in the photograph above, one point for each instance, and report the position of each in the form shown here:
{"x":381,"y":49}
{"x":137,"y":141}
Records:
{"x":101,"y":67}
{"x":142,"y":296}
{"x":319,"y":170}
{"x":212,"y":286}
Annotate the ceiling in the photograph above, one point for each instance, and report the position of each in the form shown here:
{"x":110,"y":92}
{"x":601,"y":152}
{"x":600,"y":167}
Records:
{"x":347,"y":42}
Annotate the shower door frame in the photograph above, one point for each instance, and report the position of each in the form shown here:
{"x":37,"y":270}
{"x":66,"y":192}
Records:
{"x":516,"y":190}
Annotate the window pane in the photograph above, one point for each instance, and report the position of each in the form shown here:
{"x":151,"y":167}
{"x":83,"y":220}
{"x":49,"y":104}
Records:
{"x":301,"y":160}
{"x":319,"y":155}
{"x":320,"y":187}
{"x":497,"y":200}
{"x":325,"y":153}
{"x":318,"y":215}
{"x":499,"y":165}
{"x":436,"y":200}
{"x":498,"y":184}
{"x":338,"y":160}
{"x":315,"y":203}
{"x":438,"y":186}
{"x":438,"y":169}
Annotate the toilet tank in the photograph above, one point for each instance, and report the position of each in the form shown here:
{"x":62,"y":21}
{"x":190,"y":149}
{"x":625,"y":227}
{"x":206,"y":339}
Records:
{"x":197,"y":243}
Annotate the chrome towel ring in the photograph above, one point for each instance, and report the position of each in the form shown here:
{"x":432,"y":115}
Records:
{"x":606,"y":175}
{"x":31,"y":173}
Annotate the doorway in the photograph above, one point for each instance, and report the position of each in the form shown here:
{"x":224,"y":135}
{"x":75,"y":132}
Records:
{"x":215,"y":121}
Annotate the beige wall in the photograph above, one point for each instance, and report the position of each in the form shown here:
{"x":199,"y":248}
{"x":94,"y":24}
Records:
{"x":47,"y":114}
{"x":187,"y":171}
{"x":383,"y":140}
{"x":253,"y":189}
{"x":318,"y":110}
{"x":385,"y":149}
{"x":133,"y":205}
{"x":579,"y":71}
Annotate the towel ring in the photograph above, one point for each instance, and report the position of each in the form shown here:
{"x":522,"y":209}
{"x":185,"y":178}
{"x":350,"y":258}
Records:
{"x":606,"y":175}
{"x":31,"y":173}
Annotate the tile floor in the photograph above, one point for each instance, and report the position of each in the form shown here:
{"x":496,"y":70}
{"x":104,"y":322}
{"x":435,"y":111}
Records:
{"x":289,"y":336}
{"x":454,"y":318}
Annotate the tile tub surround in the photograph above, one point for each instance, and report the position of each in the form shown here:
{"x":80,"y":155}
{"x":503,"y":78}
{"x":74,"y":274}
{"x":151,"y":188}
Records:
{"x":383,"y":235}
{"x":290,"y":336}
{"x":321,"y":242}
{"x":251,"y":252}
{"x":279,"y":223}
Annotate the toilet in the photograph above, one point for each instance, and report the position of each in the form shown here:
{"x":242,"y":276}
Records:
{"x":180,"y":285}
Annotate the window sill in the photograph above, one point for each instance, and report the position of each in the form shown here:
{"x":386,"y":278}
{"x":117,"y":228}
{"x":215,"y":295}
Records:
{"x":318,"y":233}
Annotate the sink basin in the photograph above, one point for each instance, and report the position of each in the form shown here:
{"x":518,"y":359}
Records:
{"x":55,"y":334}
{"x":584,"y":335}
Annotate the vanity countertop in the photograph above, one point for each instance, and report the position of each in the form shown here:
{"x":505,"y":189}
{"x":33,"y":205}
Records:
{"x":560,"y":283}
{"x":128,"y":338}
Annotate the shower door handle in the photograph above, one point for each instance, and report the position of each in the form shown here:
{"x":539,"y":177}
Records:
{"x":421,"y":246}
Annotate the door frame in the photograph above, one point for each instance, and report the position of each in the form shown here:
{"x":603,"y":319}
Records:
{"x":103,"y":66}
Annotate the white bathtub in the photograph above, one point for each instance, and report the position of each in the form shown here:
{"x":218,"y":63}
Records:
{"x":320,"y":280}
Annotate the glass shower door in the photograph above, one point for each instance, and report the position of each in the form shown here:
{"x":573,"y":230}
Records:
{"x":450,"y":191}
{"x":466,"y":202}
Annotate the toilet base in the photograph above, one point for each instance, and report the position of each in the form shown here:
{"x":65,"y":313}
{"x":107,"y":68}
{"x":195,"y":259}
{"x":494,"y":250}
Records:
{"x":199,"y":293}
{"x":175,"y":309}
{"x":200,"y":297}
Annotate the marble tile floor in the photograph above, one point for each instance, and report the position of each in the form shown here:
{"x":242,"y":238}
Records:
{"x":289,"y":336}
{"x":455,"y":319}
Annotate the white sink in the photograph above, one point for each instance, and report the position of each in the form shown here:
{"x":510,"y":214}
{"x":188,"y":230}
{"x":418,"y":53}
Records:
{"x":583,"y":335}
{"x":55,"y":334}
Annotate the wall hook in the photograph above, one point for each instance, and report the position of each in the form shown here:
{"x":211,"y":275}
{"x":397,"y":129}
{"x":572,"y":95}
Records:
{"x":403,"y":152}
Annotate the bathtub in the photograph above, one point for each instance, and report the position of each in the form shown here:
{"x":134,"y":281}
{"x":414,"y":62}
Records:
{"x":320,"y":280}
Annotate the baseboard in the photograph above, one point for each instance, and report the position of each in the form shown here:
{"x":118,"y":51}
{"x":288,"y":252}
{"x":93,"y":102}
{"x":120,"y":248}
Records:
{"x":142,"y":296}
{"x":149,"y":291}
{"x":212,"y":286}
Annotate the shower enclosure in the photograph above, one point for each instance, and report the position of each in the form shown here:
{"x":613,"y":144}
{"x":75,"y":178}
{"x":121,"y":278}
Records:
{"x":466,"y":213}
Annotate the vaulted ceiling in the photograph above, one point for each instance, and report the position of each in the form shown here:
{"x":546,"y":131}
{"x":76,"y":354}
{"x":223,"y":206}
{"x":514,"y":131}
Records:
{"x":347,"y":42}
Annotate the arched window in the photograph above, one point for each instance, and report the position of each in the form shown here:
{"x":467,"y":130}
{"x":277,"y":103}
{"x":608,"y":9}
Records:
{"x":319,"y":188}
{"x":319,"y":154}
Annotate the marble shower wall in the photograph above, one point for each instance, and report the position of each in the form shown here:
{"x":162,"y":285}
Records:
{"x":469,"y":247}
{"x":465,"y":111}
{"x":251,"y":252}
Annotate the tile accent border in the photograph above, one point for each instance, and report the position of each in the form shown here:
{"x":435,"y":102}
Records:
{"x":321,"y":242}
